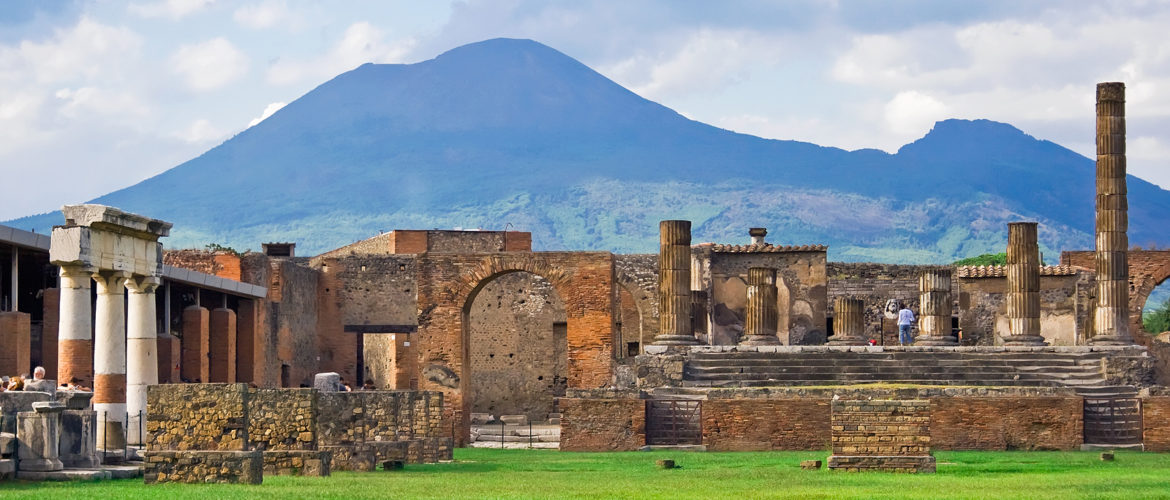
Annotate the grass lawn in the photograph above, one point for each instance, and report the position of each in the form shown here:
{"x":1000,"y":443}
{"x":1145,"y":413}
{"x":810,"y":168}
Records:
{"x":484,"y":473}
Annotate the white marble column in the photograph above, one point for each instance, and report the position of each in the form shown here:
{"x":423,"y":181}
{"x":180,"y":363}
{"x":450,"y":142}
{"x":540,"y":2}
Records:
{"x":109,"y":357}
{"x":75,"y":336}
{"x":141,"y":351}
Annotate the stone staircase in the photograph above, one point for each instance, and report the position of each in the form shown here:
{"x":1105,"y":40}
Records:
{"x":935,"y":367}
{"x":514,"y":432}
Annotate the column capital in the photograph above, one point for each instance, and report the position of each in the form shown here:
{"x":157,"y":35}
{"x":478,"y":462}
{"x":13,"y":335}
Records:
{"x":76,"y":271}
{"x":143,"y":284}
{"x":110,"y":282}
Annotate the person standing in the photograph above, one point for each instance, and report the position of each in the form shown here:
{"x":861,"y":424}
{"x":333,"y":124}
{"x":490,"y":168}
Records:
{"x":905,"y":319}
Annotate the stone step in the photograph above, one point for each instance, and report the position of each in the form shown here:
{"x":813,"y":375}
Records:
{"x":517,"y":446}
{"x":786,"y":383}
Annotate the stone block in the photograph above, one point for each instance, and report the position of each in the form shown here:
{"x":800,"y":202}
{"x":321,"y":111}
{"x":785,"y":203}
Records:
{"x":78,"y":444}
{"x":7,"y":468}
{"x":7,"y":444}
{"x":75,"y":400}
{"x":895,"y":463}
{"x":327,"y":382}
{"x":245,"y":467}
{"x":13,"y":402}
{"x":810,"y":464}
{"x":480,"y":418}
{"x":315,"y":463}
{"x":38,"y":435}
{"x":514,"y":419}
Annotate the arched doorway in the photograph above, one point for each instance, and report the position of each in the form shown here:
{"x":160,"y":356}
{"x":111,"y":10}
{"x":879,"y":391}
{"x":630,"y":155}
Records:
{"x":517,"y":352}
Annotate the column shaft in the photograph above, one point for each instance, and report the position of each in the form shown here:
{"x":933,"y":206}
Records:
{"x":674,"y":284}
{"x":1023,"y":275}
{"x":848,"y":322}
{"x":109,"y":358}
{"x":761,"y":316}
{"x":141,"y":351}
{"x":195,"y":347}
{"x":75,"y":330}
{"x":222,"y":328}
{"x":1111,"y":317}
{"x":934,"y":299}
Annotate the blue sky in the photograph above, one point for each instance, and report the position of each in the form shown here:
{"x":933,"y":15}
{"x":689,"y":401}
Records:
{"x":98,"y":95}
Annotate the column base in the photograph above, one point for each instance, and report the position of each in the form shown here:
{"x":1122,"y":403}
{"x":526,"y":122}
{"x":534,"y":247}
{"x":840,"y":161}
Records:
{"x":755,"y":340}
{"x":939,"y":340}
{"x":1111,"y":340}
{"x":1024,"y":341}
{"x":847,"y":341}
{"x":675,"y":340}
{"x":41,"y":464}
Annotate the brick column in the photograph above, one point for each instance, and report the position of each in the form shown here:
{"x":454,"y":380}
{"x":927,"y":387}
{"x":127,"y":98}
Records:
{"x":15,"y":338}
{"x":848,"y":322}
{"x":141,"y":351}
{"x":75,"y":333}
{"x":50,"y":325}
{"x":674,"y":284}
{"x":246,"y":342}
{"x":761,"y":315}
{"x":934,"y":309}
{"x":222,"y":345}
{"x":1023,"y":275}
{"x":1111,"y":318}
{"x":195,"y":346}
{"x":109,"y":357}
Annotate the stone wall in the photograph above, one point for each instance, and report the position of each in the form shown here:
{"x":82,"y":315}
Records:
{"x":359,"y":427}
{"x":890,"y":435}
{"x":203,"y":417}
{"x":876,"y":285}
{"x":203,"y":467}
{"x":801,"y":284}
{"x":1065,"y":308}
{"x":1156,"y":423}
{"x":602,"y":424}
{"x":282,"y":419}
{"x":516,"y":327}
{"x":765,"y":424}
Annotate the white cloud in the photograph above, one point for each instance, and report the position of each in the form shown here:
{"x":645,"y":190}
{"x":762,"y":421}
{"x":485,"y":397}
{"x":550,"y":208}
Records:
{"x":262,"y":15}
{"x":911,"y":112}
{"x":209,"y":65}
{"x":200,"y":131}
{"x":88,"y":49}
{"x":84,"y":101}
{"x":268,"y":111}
{"x":171,"y":9}
{"x":361,"y":43}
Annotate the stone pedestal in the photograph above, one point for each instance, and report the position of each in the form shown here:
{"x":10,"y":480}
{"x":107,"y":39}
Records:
{"x":761,"y":315}
{"x":881,"y":435}
{"x":1111,"y":317}
{"x":848,"y":322}
{"x":934,"y":314}
{"x":1023,"y":276}
{"x":327,"y":382}
{"x":38,"y":434}
{"x":674,"y":284}
{"x":78,"y":444}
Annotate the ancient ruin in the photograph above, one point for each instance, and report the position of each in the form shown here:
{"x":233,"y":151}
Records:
{"x":447,"y":335}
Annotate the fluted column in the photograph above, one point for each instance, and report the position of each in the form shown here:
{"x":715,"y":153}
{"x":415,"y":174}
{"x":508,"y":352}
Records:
{"x":934,"y":315}
{"x":848,"y":322}
{"x":674,"y":284}
{"x":109,"y":358}
{"x":1023,"y":275}
{"x":1111,"y":318}
{"x":141,"y":350}
{"x":761,"y":315}
{"x":75,"y":330}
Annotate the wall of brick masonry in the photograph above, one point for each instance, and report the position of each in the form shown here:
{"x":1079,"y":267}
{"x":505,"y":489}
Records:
{"x":765,"y":424}
{"x":637,"y":279}
{"x":203,"y":467}
{"x":589,"y":424}
{"x":1007,"y":423}
{"x":891,"y":435}
{"x":202,"y":417}
{"x":801,"y":284}
{"x":517,"y":346}
{"x":1156,"y":423}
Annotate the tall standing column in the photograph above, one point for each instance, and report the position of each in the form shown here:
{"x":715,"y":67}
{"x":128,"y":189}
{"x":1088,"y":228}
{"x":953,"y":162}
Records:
{"x":109,"y":358}
{"x":761,"y":315}
{"x":848,"y":322}
{"x":75,"y":332}
{"x":934,"y":302}
{"x":674,"y":284}
{"x":1111,"y":318}
{"x":1023,"y":275}
{"x":141,"y":351}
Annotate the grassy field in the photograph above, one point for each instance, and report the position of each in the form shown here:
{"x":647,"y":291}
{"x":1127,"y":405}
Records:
{"x":480,"y":473}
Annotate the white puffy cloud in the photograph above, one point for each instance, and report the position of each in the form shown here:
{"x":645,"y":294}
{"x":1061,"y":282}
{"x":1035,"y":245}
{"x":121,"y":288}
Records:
{"x":170,"y":9}
{"x":262,"y":15}
{"x":200,"y":131}
{"x":268,"y":111}
{"x":911,"y":112}
{"x":87,"y":49}
{"x":118,"y":105}
{"x":209,"y":65}
{"x":361,"y":43}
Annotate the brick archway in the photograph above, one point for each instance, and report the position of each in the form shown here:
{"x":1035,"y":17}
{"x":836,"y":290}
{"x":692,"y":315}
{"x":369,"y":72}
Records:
{"x":1147,"y":270}
{"x":645,"y":297}
{"x":447,"y":284}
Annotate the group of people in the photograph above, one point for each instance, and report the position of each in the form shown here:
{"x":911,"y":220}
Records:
{"x":37,"y":383}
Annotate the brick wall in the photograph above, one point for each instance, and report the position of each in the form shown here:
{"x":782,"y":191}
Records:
{"x":766,"y":424}
{"x":1156,"y":423}
{"x":1037,"y":423}
{"x":637,"y":278}
{"x":222,"y":264}
{"x":602,"y":424}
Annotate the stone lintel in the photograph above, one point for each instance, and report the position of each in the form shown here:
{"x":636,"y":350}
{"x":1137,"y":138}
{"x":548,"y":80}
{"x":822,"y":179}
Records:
{"x":115,"y":220}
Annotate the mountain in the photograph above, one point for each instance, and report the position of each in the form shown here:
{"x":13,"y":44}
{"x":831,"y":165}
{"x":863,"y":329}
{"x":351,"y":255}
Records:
{"x":514,"y":133}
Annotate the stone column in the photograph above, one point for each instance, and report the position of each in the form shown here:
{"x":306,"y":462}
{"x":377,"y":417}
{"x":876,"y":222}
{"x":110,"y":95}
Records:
{"x":761,"y":315}
{"x":848,"y":322}
{"x":109,"y":357}
{"x":674,"y":284}
{"x":38,"y":434}
{"x":934,"y":313}
{"x":75,"y":337}
{"x":1023,"y":275}
{"x":1111,"y":318}
{"x":141,"y":351}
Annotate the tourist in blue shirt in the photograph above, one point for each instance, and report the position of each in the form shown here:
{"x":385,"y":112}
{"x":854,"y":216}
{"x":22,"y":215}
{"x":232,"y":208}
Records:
{"x":905,"y":319}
